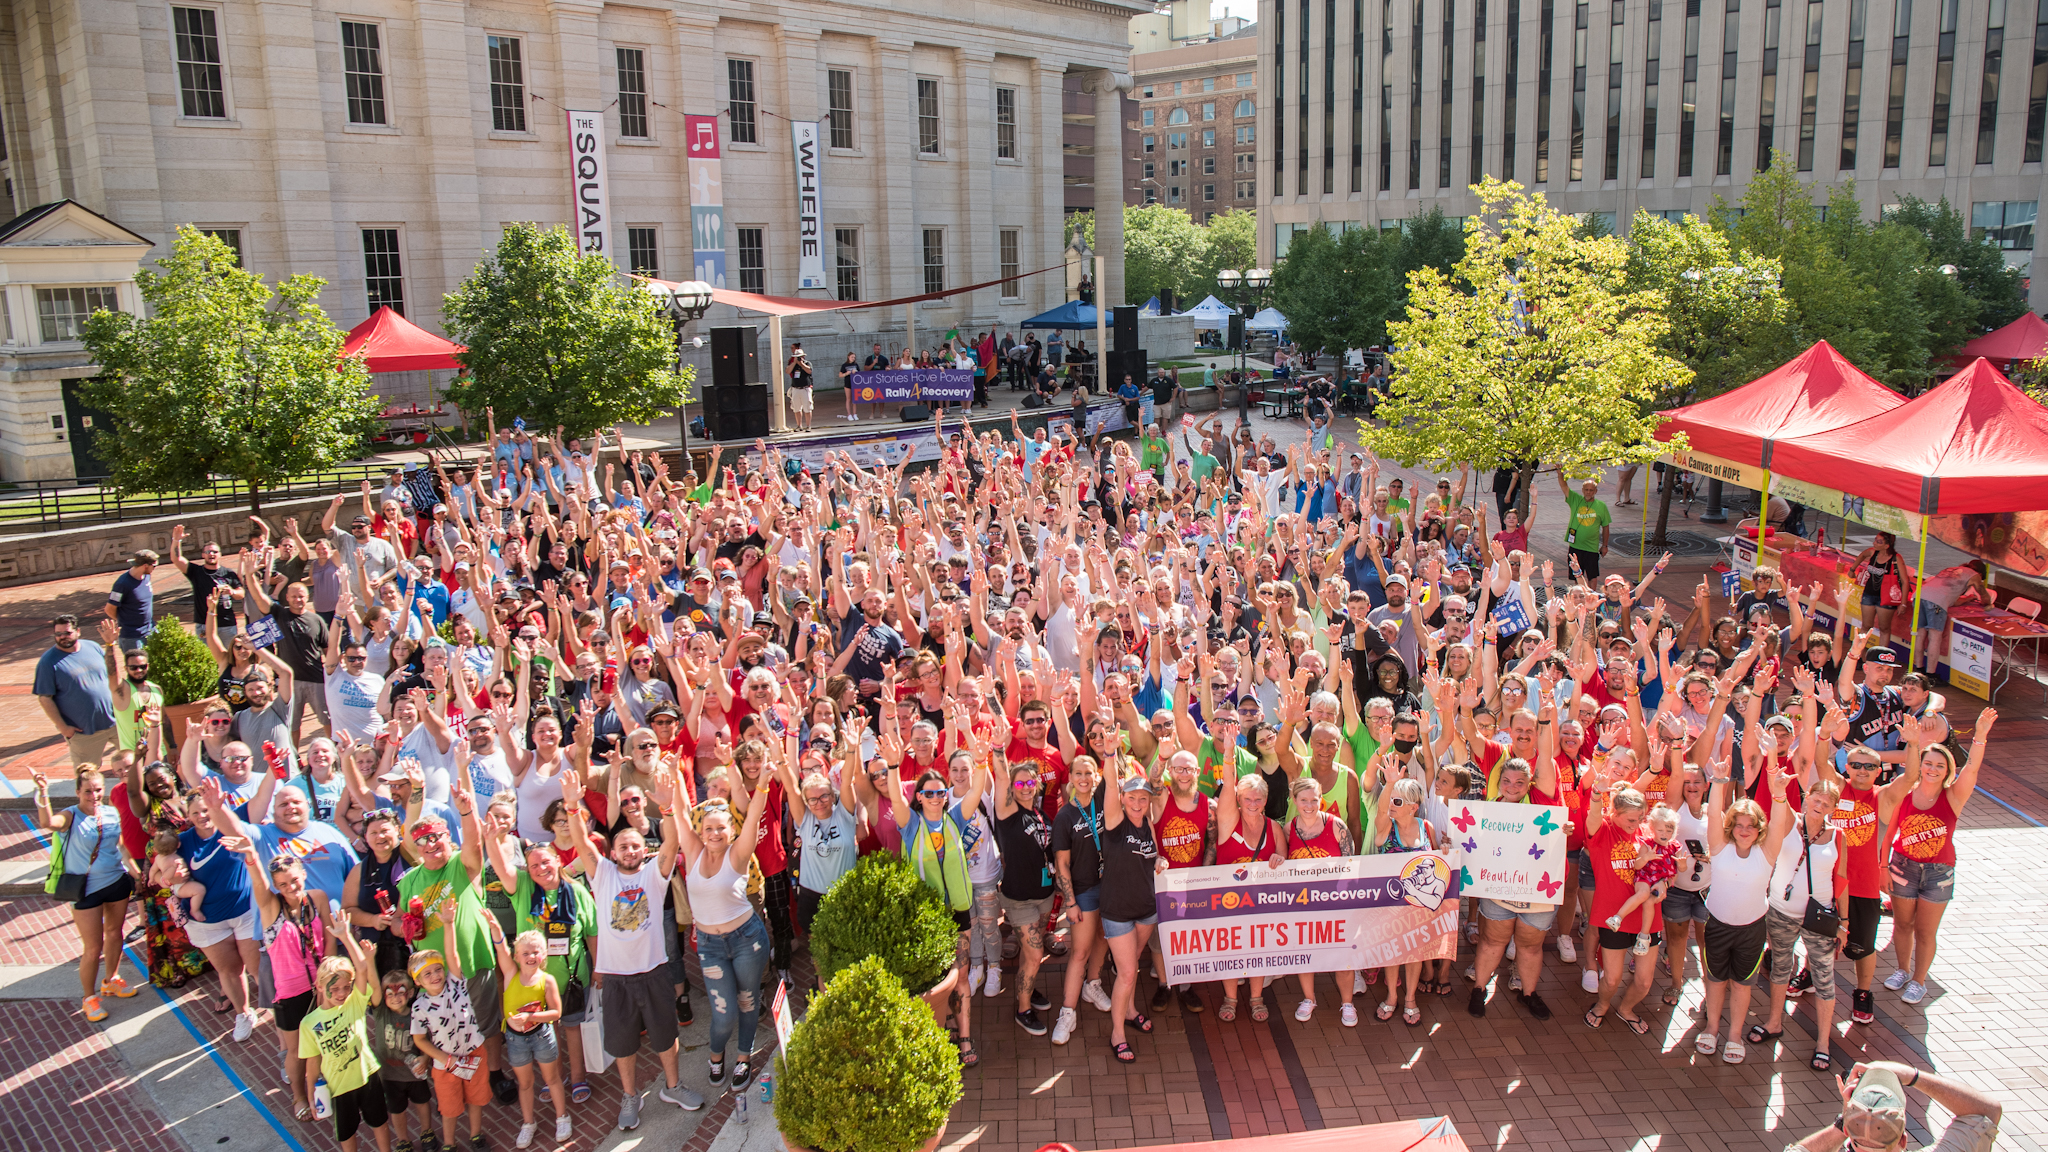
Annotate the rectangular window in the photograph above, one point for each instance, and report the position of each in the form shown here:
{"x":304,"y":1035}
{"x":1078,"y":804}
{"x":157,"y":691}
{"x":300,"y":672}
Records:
{"x":1208,"y":137}
{"x":1150,"y":170}
{"x":1329,"y":97}
{"x":63,"y":310}
{"x":1477,"y":171}
{"x":739,"y":102}
{"x":632,"y":93}
{"x":1895,"y":96}
{"x":1208,"y":165}
{"x":753,"y":260}
{"x":2037,"y":87}
{"x":1208,"y":191}
{"x":1944,"y":86}
{"x":1008,"y":262}
{"x":1610,"y":167}
{"x":1279,"y":92}
{"x":1767,"y":102}
{"x":1244,"y":134}
{"x":362,"y":71}
{"x":1511,"y":91}
{"x":935,"y":259}
{"x":643,"y":252}
{"x":1247,"y":189}
{"x":1301,"y":104}
{"x":508,"y":84}
{"x":846,"y":262}
{"x":1852,"y":84}
{"x":1415,"y":98}
{"x":1151,"y":194}
{"x":1653,"y":65}
{"x":1208,"y":111}
{"x":1246,"y":79}
{"x":1006,"y":123}
{"x":1246,"y":162}
{"x":1357,"y":95}
{"x":1546,"y":63}
{"x":1443,"y":122}
{"x":1731,"y":39}
{"x":232,"y":237}
{"x":383,"y":270}
{"x":839,"y":107}
{"x":1150,"y":117}
{"x":1386,"y":95}
{"x":2009,"y":223}
{"x":1575,"y":164}
{"x":1173,"y":193}
{"x":1208,"y":83}
{"x":1689,"y":88}
{"x":1176,"y":140}
{"x":1150,"y":143}
{"x":1809,"y":84}
{"x":202,"y":91}
{"x":1987,"y":96}
{"x":928,"y":117}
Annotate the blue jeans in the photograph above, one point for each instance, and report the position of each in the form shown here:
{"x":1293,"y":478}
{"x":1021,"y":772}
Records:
{"x":732,"y":965}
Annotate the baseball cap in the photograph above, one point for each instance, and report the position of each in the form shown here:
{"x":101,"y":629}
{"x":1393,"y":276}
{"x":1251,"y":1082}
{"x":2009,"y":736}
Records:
{"x":392,"y":775}
{"x":359,"y":521}
{"x":763,"y":620}
{"x":1874,"y":1116}
{"x":1883,"y":655}
{"x":1396,"y":578}
{"x":700,"y":573}
{"x":1136,"y":784}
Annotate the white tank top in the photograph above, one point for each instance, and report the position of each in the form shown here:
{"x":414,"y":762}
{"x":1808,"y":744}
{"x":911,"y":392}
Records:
{"x":535,"y":793}
{"x":1692,"y":832}
{"x":1741,"y":885}
{"x":721,"y":897}
{"x":1788,"y":879}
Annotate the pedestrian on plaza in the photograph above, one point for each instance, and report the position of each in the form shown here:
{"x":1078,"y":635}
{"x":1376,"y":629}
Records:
{"x":138,"y":701}
{"x":132,"y":603}
{"x":1590,"y":522}
{"x":801,"y":401}
{"x":302,"y":646}
{"x":98,"y":879}
{"x":1130,"y":863}
{"x":208,"y":578}
{"x":1922,"y":818}
{"x":1873,"y":1116}
{"x":71,"y":685}
{"x":846,"y":372}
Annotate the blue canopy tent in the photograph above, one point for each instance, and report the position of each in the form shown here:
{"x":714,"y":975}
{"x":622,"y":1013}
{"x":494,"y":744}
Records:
{"x":1072,"y":314}
{"x":1210,"y":313}
{"x":1268,"y":320}
{"x":1150,"y":307}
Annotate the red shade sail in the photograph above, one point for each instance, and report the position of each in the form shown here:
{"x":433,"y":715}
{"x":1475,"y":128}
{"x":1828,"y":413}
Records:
{"x":388,"y":342}
{"x":1972,"y":444}
{"x":2023,"y":339}
{"x":1813,"y":392}
{"x":1430,"y":1134}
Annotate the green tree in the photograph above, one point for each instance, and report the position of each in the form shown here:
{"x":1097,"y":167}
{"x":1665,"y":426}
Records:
{"x":1233,"y":243}
{"x":1549,"y":356}
{"x":1430,"y":240}
{"x":1982,"y":275}
{"x":1339,"y":290}
{"x":559,"y":338}
{"x":216,"y":382}
{"x":1164,"y":250}
{"x":1729,"y":321}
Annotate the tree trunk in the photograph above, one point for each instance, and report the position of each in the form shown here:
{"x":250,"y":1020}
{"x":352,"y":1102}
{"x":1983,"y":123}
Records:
{"x":255,"y":499}
{"x":1670,"y":478}
{"x":1523,"y":479}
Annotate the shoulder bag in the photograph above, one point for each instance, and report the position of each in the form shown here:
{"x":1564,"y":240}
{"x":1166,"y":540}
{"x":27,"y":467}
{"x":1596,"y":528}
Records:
{"x":1821,"y":919}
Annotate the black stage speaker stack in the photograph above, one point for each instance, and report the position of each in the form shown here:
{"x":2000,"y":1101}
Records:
{"x":1236,"y":341}
{"x":736,"y":404}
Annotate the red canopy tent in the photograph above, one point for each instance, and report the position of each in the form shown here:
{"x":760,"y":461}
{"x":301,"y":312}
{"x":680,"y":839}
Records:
{"x":1813,"y":392}
{"x":2024,"y":339}
{"x":1973,"y":443}
{"x":388,"y":342}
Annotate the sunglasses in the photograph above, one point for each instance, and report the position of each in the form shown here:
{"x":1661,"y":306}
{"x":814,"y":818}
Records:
{"x":431,"y":838}
{"x":1021,"y":785}
{"x":933,"y":792}
{"x":235,"y":759}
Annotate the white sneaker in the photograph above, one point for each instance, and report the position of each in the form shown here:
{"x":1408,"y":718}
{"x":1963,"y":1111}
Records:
{"x":562,"y":1129}
{"x":1304,"y":1010}
{"x":974,"y":976}
{"x":1915,"y":992}
{"x":245,"y":1025}
{"x":1348,"y":1014}
{"x":1589,"y":980}
{"x":1515,"y":982}
{"x":1063,"y":1027}
{"x":1511,"y":949}
{"x":525,"y":1137}
{"x":1358,"y":983}
{"x":1472,"y":972}
{"x":991,"y":983}
{"x":1897,"y":979}
{"x":1566,"y":950}
{"x":1097,"y":999}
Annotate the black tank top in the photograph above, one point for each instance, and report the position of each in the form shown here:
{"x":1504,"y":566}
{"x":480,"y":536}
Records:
{"x":229,"y":687}
{"x":380,"y":877}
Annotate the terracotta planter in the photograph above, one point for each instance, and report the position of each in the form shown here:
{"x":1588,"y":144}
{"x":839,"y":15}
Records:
{"x":175,"y":716}
{"x":930,"y":1145}
{"x":941,"y":994}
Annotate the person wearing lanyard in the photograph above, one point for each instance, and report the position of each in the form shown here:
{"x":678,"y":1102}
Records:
{"x":566,"y":917}
{"x":933,"y":839}
{"x":1077,"y":858}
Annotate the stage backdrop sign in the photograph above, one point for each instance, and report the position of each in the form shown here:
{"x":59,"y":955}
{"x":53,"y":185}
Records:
{"x":590,"y":201}
{"x":707,"y":200}
{"x":810,"y":200}
{"x":1512,"y":852}
{"x":912,"y":384}
{"x":1329,"y":914}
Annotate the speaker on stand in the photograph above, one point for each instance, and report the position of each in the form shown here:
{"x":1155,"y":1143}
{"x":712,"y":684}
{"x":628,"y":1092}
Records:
{"x":1124,"y":327}
{"x":736,"y":404}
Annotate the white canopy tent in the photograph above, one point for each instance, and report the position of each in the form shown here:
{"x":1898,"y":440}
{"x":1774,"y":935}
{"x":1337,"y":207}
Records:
{"x":1210,"y":313}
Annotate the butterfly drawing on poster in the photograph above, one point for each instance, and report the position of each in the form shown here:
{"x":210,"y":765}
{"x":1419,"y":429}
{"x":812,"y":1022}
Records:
{"x":1502,"y":848}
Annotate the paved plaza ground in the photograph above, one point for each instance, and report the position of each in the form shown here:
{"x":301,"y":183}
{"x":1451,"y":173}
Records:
{"x":163,"y":1073}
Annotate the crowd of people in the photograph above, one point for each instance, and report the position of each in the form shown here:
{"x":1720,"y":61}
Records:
{"x":574,"y":718}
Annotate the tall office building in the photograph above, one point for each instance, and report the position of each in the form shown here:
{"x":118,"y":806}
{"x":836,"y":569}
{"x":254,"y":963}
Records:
{"x":1610,"y":106}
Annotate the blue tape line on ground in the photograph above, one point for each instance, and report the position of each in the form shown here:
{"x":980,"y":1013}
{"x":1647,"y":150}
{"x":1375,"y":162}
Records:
{"x":2009,"y":808}
{"x":210,"y":1048}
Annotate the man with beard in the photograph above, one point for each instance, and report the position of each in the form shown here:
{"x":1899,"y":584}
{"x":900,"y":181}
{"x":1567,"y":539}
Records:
{"x":267,"y":719}
{"x":71,"y":685}
{"x":866,"y":645}
{"x":134,"y":694}
{"x":1400,"y":609}
{"x":207,"y":578}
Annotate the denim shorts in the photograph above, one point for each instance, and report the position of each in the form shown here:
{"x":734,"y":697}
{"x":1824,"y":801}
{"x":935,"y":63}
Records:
{"x":1681,"y":907}
{"x":1541,"y":919}
{"x":1587,"y":876}
{"x":535,"y":1047}
{"x":1089,"y":901}
{"x":1912,"y":880}
{"x":1111,"y":929}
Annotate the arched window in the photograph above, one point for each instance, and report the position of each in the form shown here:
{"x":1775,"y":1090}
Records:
{"x":1177,"y":116}
{"x":1244,"y":108}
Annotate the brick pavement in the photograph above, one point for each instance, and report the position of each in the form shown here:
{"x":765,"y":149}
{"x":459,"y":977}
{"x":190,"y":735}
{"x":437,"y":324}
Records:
{"x":65,"y":1088}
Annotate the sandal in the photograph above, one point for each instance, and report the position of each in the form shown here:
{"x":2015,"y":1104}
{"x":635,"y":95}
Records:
{"x":968,"y":1056}
{"x":1228,"y":1012}
{"x":222,"y":1005}
{"x":1411,"y":1015}
{"x":1259,"y":1009}
{"x":1595,"y":1019}
{"x":303,"y":1113}
{"x":1706,"y":1042}
{"x":1671,"y":994}
{"x":579,"y":1092}
{"x":1123,"y":1053}
{"x":1821,"y":1061}
{"x":1372,"y":977}
{"x":1139,"y":1022}
{"x":1637,"y":1025}
{"x":1757,"y":1035}
{"x":1443,"y":987}
{"x":1384,"y":1012}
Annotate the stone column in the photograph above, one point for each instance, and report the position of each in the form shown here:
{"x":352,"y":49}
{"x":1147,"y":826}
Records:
{"x":976,"y":160}
{"x":1109,"y":88}
{"x":1047,"y":152}
{"x":898,"y":249}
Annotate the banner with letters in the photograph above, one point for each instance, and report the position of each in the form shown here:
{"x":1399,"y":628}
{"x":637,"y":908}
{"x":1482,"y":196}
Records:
{"x":947,"y":384}
{"x":1330,"y":914}
{"x":810,"y":203}
{"x":590,"y":200}
{"x":1511,"y":852}
{"x":707,"y":200}
{"x":1969,"y":658}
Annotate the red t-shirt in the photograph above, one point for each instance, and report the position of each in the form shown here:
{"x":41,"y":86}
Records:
{"x":770,"y":853}
{"x":1613,"y":852}
{"x":1927,"y":835}
{"x":1856,"y":815}
{"x":133,"y":836}
{"x":1052,"y":767}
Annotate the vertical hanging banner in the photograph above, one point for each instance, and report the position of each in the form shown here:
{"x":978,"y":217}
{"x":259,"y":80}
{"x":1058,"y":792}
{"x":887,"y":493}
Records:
{"x":589,"y":199}
{"x":810,"y":193}
{"x":707,"y":200}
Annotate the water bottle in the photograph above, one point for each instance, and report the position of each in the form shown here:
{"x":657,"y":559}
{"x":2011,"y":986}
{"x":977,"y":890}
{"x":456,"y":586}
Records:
{"x":323,"y":1100}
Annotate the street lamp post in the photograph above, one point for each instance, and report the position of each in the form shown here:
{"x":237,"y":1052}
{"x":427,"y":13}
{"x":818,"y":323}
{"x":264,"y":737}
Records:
{"x":1245,"y":289}
{"x":683,"y":302}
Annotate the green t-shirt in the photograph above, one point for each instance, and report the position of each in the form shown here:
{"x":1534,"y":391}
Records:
{"x":128,"y":721}
{"x":1153,"y":449}
{"x":568,"y":922}
{"x":1363,"y":746}
{"x":337,"y":1037}
{"x":1202,"y":466}
{"x":1207,"y":760}
{"x":1397,"y":505}
{"x":472,"y":939}
{"x":1587,"y":518}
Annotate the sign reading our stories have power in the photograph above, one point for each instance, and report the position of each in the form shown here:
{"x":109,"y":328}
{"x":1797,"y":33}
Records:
{"x":1329,"y":914}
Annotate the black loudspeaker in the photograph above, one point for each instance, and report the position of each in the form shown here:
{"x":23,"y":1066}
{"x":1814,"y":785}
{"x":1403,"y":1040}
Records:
{"x":735,"y":358}
{"x":916,"y":413}
{"x":1166,"y":302}
{"x":741,"y":425}
{"x":1236,"y":337}
{"x":736,"y":404}
{"x":741,"y":399}
{"x":1124,"y":326}
{"x":1123,"y":363}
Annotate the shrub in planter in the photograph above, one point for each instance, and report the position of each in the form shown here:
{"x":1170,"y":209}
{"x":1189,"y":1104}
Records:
{"x":180,"y":663}
{"x":882,"y":909}
{"x":867,"y":1069}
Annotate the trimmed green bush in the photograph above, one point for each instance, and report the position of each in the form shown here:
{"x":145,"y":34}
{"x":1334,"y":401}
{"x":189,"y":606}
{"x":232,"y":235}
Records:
{"x":180,"y":663}
{"x":867,"y":1069}
{"x":882,"y":909}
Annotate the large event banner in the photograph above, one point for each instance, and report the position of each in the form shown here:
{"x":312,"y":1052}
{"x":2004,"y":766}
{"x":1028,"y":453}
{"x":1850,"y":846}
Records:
{"x":1512,"y":852}
{"x":707,"y":200}
{"x":810,"y":203}
{"x":590,"y":200}
{"x":1970,"y":650}
{"x":1327,"y":914}
{"x":948,"y":384}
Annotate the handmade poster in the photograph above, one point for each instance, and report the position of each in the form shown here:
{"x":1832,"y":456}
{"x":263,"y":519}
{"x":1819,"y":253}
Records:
{"x":1509,"y":852}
